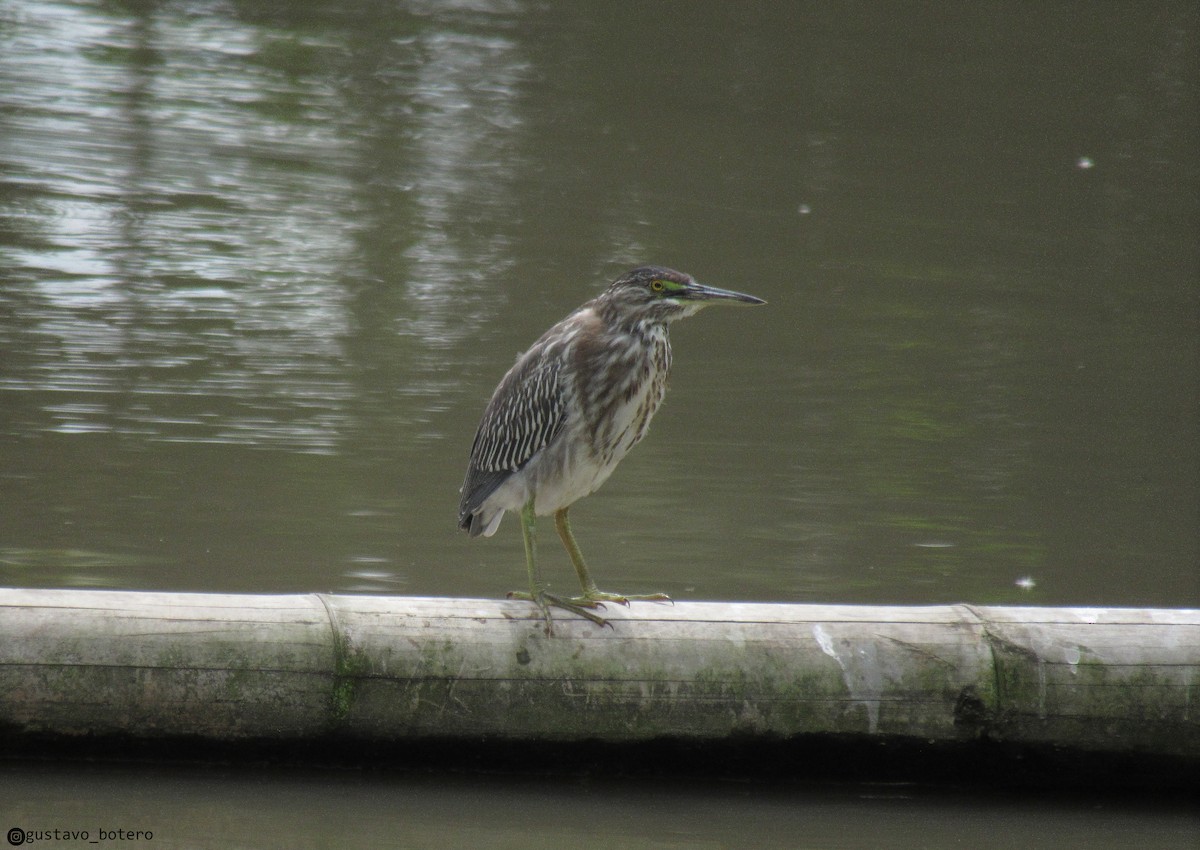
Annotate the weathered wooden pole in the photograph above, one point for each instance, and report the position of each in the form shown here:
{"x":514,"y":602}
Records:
{"x":236,"y":667}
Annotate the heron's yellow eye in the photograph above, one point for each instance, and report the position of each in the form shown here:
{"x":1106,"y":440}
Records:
{"x":657,"y":285}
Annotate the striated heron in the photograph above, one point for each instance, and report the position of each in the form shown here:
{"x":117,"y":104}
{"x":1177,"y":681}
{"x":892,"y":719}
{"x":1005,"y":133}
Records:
{"x":570,"y":409}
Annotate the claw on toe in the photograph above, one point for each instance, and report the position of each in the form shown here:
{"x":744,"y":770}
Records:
{"x":600,"y":596}
{"x":545,"y":601}
{"x":598,"y":600}
{"x":582,"y":606}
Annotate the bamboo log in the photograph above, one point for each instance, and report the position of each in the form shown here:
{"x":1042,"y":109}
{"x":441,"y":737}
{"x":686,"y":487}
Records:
{"x":237,"y":667}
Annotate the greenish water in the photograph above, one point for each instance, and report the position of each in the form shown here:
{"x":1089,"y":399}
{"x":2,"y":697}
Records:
{"x":261,"y":265}
{"x":227,"y":808}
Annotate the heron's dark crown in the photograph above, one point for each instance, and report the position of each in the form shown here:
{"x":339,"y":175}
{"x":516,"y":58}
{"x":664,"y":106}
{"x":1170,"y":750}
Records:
{"x":647,"y":293}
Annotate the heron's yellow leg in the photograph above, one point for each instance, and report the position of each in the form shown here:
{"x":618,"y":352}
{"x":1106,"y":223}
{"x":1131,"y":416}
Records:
{"x":537,"y":588}
{"x":591,"y":593}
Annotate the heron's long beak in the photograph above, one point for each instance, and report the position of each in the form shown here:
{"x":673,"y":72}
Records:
{"x":712,"y":295}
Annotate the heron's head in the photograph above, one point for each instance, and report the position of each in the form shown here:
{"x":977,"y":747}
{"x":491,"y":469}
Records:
{"x":661,"y":295}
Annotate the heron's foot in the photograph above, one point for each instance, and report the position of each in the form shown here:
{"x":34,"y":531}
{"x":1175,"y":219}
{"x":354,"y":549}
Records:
{"x":595,"y":596}
{"x":576,"y":605}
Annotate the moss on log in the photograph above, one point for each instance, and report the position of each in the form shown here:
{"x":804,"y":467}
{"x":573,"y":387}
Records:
{"x":234,"y":667}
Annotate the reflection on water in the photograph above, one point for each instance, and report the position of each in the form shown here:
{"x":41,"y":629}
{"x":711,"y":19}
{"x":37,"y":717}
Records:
{"x":261,"y":266}
{"x":193,"y":212}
